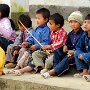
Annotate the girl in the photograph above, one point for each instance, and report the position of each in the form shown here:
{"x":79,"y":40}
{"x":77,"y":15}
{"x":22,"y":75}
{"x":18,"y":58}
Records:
{"x":7,"y":35}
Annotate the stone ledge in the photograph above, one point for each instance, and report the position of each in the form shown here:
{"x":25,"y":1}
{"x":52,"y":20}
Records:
{"x":36,"y":82}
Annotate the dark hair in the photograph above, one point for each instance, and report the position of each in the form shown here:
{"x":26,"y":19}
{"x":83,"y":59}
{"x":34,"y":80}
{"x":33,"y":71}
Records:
{"x":5,"y":10}
{"x":58,"y":19}
{"x":87,"y":17}
{"x":12,"y":24}
{"x":26,"y":20}
{"x":45,"y":13}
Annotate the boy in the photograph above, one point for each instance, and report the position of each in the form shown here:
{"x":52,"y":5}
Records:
{"x":25,"y":19}
{"x":41,"y":33}
{"x":64,"y":57}
{"x":58,"y":38}
{"x":82,"y":54}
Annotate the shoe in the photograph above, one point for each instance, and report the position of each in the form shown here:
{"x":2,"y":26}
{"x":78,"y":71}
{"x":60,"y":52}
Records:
{"x":10,"y":65}
{"x":43,"y":71}
{"x":17,"y":73}
{"x":78,"y":75}
{"x":87,"y":77}
{"x":10,"y":72}
{"x":46,"y":75}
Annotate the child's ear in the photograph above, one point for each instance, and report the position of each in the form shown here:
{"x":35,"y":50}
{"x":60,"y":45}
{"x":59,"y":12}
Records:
{"x":46,"y":19}
{"x":58,"y":25}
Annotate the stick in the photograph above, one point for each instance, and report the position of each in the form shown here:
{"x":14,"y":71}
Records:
{"x":33,"y":36}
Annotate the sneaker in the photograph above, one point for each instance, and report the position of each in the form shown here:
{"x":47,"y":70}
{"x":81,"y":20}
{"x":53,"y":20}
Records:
{"x":77,"y":75}
{"x":87,"y":77}
{"x":46,"y":75}
{"x":43,"y":71}
{"x":10,"y":65}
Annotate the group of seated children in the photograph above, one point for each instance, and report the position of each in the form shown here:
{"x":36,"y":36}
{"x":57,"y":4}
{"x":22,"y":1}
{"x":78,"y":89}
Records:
{"x":48,"y":49}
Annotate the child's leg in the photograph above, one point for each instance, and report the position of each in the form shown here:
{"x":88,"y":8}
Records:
{"x":24,"y":60}
{"x":58,"y":56}
{"x":21,"y":52}
{"x":9,"y":56}
{"x":60,"y":68}
{"x":81,"y":65}
{"x":49,"y":62}
{"x":26,"y":69}
{"x":38,"y":58}
{"x":21,"y":71}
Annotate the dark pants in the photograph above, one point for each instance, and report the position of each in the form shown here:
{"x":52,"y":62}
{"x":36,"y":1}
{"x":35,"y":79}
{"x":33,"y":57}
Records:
{"x":58,"y":56}
{"x":5,"y":42}
{"x":61,"y":61}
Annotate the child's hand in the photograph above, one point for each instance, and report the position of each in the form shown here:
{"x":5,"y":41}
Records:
{"x":45,"y":47}
{"x":71,"y":52}
{"x":65,"y":49}
{"x":25,"y":44}
{"x":80,"y":57}
{"x":15,"y":52}
{"x":33,"y":48}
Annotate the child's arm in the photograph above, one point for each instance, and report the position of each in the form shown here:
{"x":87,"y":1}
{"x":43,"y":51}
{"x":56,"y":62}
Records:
{"x":6,"y":30}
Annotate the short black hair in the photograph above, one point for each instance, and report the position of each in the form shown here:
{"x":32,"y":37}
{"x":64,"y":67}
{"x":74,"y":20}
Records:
{"x":5,"y":10}
{"x":25,"y":20}
{"x":87,"y":17}
{"x":58,"y":19}
{"x":45,"y":13}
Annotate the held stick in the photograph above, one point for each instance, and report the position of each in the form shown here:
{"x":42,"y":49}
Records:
{"x":33,"y":37}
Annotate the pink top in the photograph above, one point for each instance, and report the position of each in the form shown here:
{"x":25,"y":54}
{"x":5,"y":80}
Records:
{"x":6,"y":30}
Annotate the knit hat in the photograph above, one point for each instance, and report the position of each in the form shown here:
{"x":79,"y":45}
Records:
{"x":77,"y":16}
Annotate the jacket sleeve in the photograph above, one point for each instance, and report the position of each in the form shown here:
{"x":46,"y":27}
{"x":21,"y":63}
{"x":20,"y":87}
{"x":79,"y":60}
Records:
{"x":80,"y":45}
{"x":6,"y":30}
{"x":30,"y":38}
{"x":45,"y":39}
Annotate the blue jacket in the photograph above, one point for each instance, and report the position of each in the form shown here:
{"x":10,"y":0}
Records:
{"x":83,"y":47}
{"x":42,"y":34}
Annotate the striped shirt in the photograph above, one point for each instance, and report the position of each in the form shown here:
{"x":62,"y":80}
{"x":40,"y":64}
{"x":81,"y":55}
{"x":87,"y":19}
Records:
{"x":58,"y":39}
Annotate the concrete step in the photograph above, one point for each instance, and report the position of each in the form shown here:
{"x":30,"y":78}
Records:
{"x":29,"y":81}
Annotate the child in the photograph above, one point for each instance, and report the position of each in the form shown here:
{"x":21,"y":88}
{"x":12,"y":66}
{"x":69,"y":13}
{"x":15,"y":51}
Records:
{"x":41,"y":33}
{"x":82,"y":54}
{"x":7,"y":35}
{"x":58,"y":38}
{"x":24,"y":34}
{"x":2,"y":60}
{"x":64,"y":57}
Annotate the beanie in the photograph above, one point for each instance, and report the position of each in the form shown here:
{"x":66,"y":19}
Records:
{"x":77,"y":16}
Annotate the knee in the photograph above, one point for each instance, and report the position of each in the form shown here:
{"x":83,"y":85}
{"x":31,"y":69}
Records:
{"x":34,"y":54}
{"x":22,"y":50}
{"x":48,"y":62}
{"x":75,"y":54}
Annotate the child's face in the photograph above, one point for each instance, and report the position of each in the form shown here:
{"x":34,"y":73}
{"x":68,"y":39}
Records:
{"x":86,"y":25}
{"x":53,"y":27}
{"x":74,"y":25}
{"x":21,"y":28}
{"x":40,"y":20}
